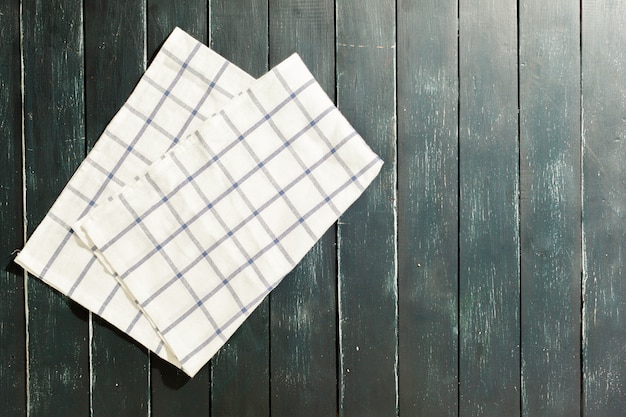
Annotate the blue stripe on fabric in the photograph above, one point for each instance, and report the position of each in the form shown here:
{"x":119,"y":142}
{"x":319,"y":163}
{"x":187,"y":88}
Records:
{"x":81,"y":276}
{"x":102,"y":170}
{"x":172,"y":97}
{"x":197,"y":74}
{"x":194,"y":112}
{"x":78,"y":194}
{"x":108,"y":299}
{"x":131,"y":149}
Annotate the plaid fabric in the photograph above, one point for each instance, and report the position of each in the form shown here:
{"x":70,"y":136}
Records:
{"x":185,"y":84}
{"x":211,"y":228}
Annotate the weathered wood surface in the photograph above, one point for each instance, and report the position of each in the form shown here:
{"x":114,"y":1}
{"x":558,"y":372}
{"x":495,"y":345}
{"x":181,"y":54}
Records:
{"x":367,"y":238}
{"x":12,"y":317}
{"x":549,"y":96}
{"x":489,"y":270}
{"x":458,"y":283}
{"x":604,"y":207}
{"x":54,"y":143}
{"x":428,"y":96}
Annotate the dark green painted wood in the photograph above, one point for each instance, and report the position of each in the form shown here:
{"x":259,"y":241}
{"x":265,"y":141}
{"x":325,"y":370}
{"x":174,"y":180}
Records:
{"x":367,"y":231}
{"x":164,"y":16}
{"x":604,"y":207}
{"x":428,"y":207}
{"x":12,"y":316}
{"x":549,"y":73}
{"x":54,"y":130}
{"x":304,"y":308}
{"x":240,"y":370}
{"x":488,"y":209}
{"x":172,"y":392}
{"x":239,"y":31}
{"x":114,"y":61}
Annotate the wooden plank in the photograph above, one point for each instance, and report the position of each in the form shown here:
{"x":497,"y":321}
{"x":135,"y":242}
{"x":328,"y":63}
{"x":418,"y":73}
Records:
{"x":172,"y":392}
{"x":428,"y":207}
{"x":367,"y":231}
{"x":239,"y":32}
{"x":240,"y":370}
{"x":604,"y":207}
{"x":54,"y":130}
{"x":114,"y":61}
{"x":12,"y":315}
{"x":489,"y":366}
{"x":164,"y":16}
{"x":304,"y":308}
{"x":549,"y":94}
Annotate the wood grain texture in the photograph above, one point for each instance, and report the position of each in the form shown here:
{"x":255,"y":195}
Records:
{"x":239,"y":31}
{"x":303,"y":307}
{"x":428,"y":207}
{"x":172,"y":392}
{"x":114,"y":62}
{"x":488,"y":208}
{"x":550,"y":207}
{"x":54,"y":131}
{"x":604,"y":207}
{"x":240,"y":370}
{"x":12,"y":315}
{"x":367,"y":231}
{"x":163,"y":16}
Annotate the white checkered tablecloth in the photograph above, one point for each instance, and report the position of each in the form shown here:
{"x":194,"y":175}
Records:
{"x":198,"y":238}
{"x":184,"y":85}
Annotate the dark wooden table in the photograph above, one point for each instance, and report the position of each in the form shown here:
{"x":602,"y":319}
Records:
{"x":482,"y":274}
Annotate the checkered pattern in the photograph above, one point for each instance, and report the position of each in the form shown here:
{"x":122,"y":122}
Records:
{"x":185,"y":84}
{"x":211,"y":228}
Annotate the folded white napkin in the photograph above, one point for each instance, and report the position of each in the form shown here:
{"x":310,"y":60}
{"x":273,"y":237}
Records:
{"x":198,"y":238}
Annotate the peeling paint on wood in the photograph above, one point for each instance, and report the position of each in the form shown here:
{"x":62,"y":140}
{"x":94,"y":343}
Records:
{"x":12,"y":313}
{"x":367,"y":235}
{"x":489,"y":322}
{"x":550,"y":207}
{"x":604,"y":207}
{"x":428,"y":206}
{"x":58,"y":367}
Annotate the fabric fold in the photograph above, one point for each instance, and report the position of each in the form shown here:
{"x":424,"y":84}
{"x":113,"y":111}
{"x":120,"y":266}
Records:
{"x":212,"y":227}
